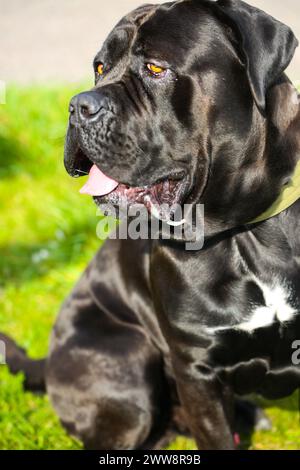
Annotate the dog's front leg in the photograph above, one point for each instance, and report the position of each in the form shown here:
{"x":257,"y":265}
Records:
{"x":208,"y":405}
{"x":208,"y":402}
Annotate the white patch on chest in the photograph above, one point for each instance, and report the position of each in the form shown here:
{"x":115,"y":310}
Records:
{"x":277,"y":308}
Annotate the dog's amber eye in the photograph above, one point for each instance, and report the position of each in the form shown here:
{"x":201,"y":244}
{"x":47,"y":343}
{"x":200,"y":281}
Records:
{"x":155,"y":69}
{"x":100,"y":68}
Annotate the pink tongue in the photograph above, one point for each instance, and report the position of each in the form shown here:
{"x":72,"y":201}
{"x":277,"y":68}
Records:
{"x":98,"y":183}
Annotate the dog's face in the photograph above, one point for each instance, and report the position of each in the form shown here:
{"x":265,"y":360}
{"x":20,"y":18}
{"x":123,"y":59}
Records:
{"x":175,"y":101}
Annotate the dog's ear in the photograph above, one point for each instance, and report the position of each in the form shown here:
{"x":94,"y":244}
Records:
{"x":266,"y":45}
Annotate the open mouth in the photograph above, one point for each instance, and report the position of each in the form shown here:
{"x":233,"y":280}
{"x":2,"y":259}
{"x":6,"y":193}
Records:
{"x":161,"y":199}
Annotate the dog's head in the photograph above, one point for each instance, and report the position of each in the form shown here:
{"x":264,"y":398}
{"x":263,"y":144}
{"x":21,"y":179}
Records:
{"x":188,"y":107}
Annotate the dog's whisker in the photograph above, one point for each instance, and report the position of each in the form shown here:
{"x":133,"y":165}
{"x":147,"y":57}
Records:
{"x":80,"y":171}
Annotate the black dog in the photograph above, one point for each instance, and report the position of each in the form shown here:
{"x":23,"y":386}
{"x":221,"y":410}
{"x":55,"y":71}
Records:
{"x":190,"y":105}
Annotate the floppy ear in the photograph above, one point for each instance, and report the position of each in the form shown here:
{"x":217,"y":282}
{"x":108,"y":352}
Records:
{"x":267,"y":45}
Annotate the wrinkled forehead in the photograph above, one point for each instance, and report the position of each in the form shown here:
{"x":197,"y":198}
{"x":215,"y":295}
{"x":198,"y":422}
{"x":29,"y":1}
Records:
{"x":123,"y":35}
{"x":176,"y":29}
{"x":166,"y":31}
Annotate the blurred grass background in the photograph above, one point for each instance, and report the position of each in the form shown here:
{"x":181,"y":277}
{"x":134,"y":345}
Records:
{"x":47,"y":236}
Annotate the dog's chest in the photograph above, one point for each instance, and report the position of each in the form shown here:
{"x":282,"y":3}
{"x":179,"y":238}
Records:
{"x":278,"y":306}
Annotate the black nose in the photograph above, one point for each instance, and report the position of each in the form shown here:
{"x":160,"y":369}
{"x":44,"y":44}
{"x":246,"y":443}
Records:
{"x":86,"y":105}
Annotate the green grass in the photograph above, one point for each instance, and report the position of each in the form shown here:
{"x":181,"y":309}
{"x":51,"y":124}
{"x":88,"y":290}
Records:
{"x":47,"y":236}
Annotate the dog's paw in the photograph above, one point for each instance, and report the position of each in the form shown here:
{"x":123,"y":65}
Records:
{"x":249,"y":418}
